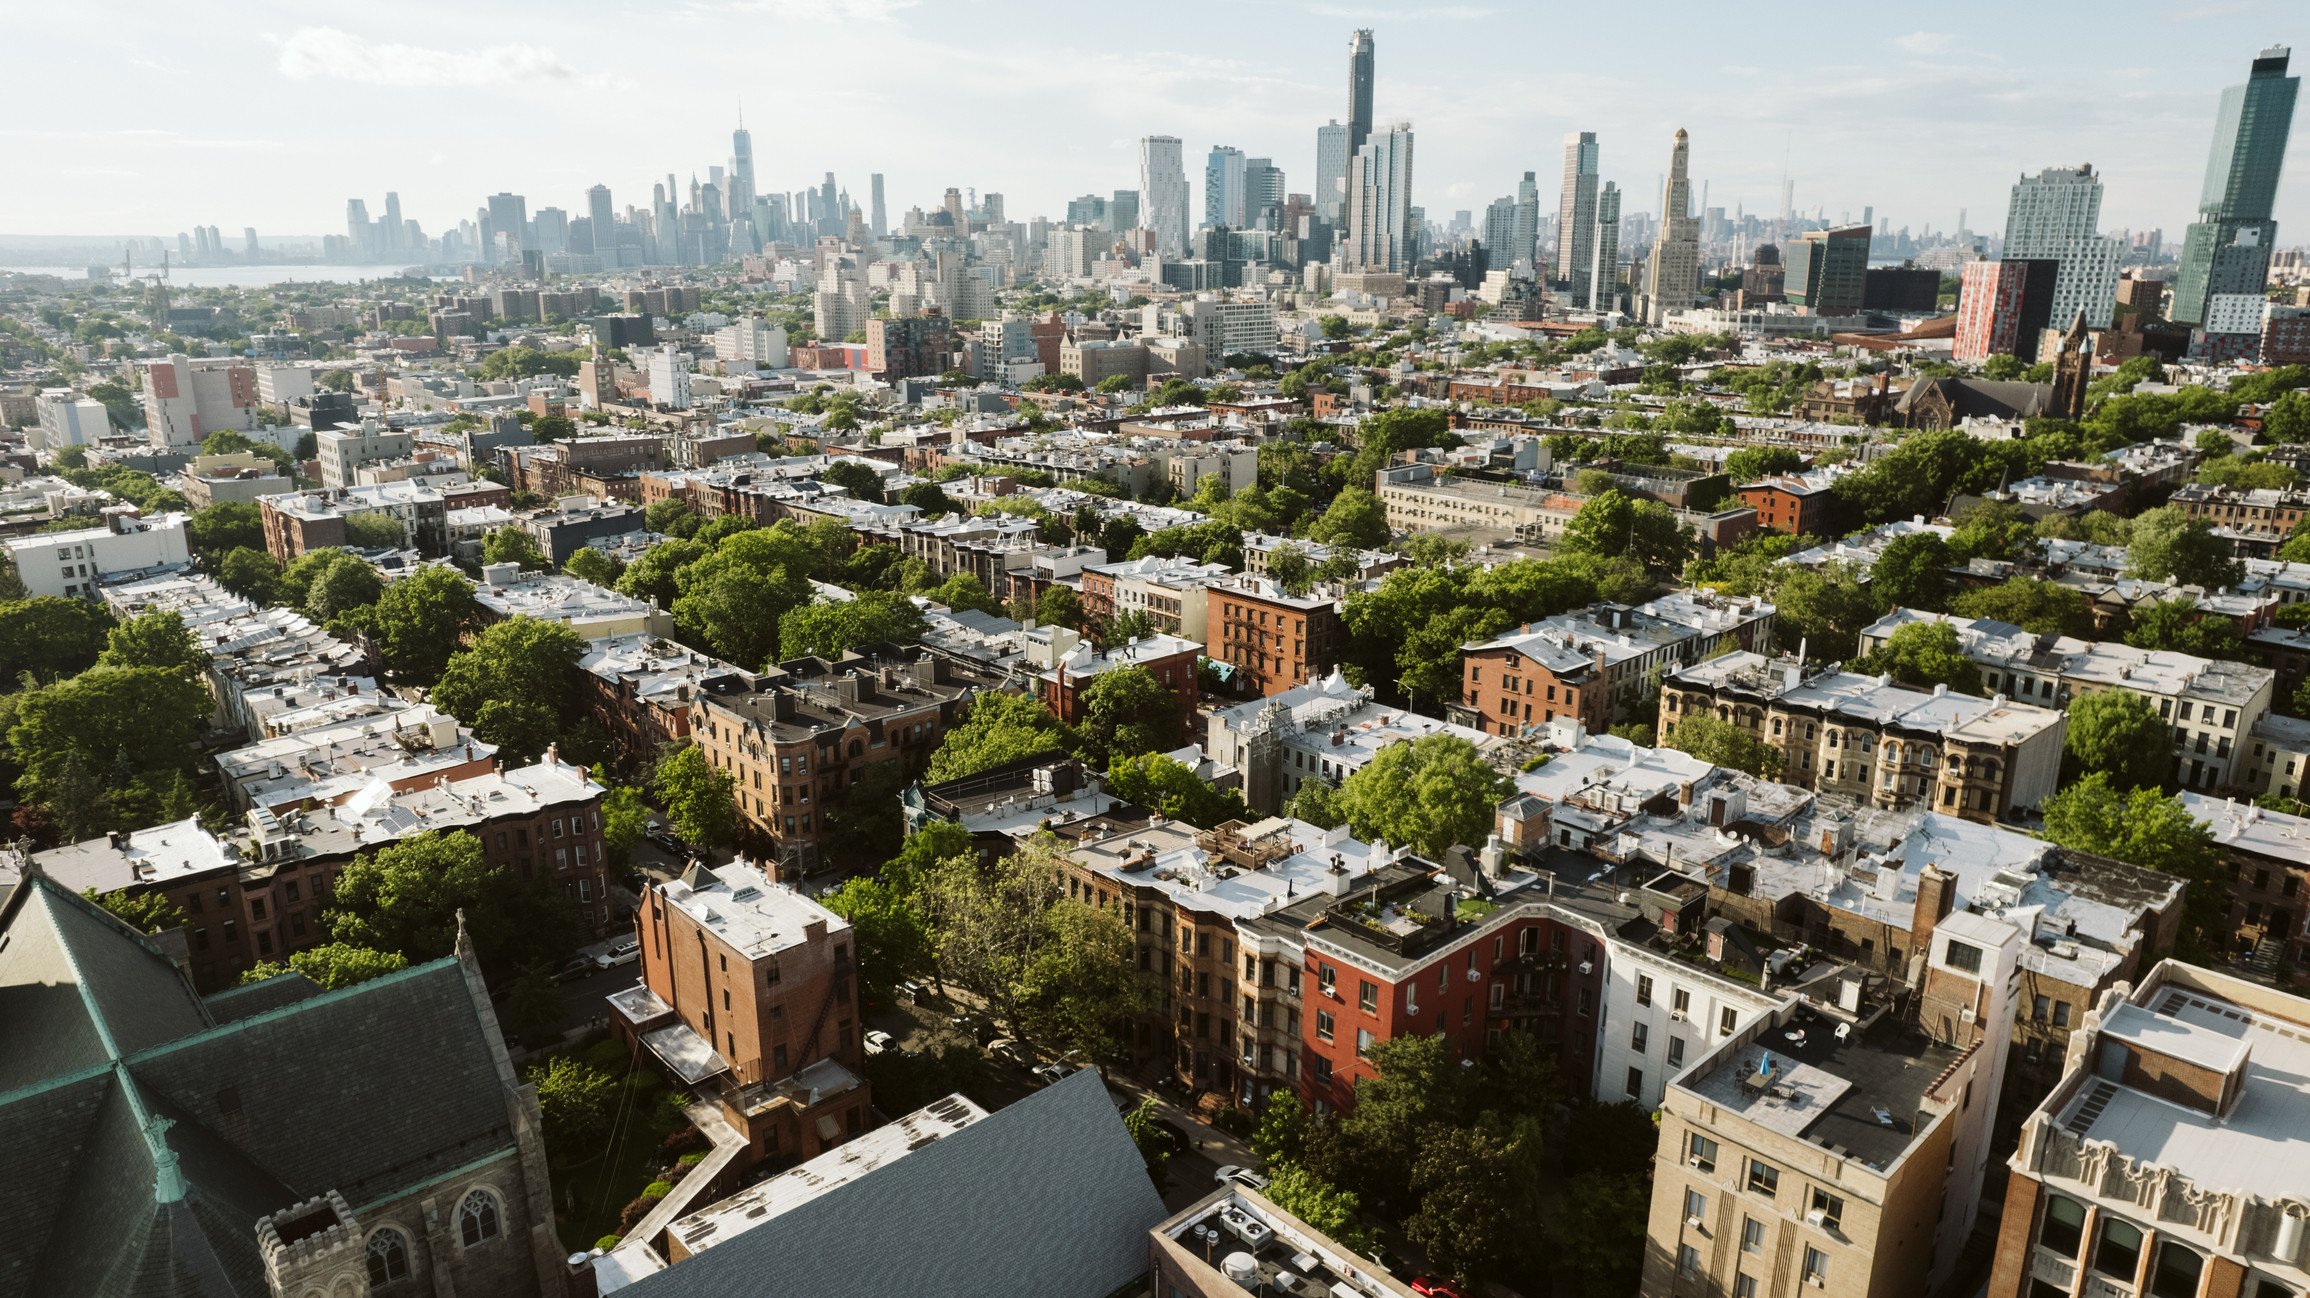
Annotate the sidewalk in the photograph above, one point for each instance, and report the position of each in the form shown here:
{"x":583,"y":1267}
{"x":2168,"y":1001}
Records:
{"x":1219,"y":1146}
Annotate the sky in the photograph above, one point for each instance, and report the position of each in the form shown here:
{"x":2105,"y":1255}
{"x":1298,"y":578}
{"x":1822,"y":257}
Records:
{"x":135,"y":117}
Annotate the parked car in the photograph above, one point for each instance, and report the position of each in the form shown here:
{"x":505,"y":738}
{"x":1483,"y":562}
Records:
{"x":1428,"y":1286}
{"x":1051,"y":1074}
{"x":664,"y":838}
{"x":577,"y":967}
{"x":1006,"y":1050}
{"x":878,"y":1041}
{"x":624,"y":951}
{"x":1243,"y":1176}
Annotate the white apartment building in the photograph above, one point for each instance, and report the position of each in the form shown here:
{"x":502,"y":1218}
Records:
{"x":753,"y":341}
{"x":1660,"y":1015}
{"x":70,"y":419}
{"x":277,"y":384}
{"x":343,"y":450}
{"x":1224,"y":327}
{"x":73,"y":564}
{"x":670,"y":378}
{"x":186,"y":399}
{"x":2055,"y":215}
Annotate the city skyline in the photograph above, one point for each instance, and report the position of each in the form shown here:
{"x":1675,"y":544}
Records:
{"x":1954,"y":115}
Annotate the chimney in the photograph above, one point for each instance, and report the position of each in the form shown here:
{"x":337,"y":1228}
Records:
{"x":1936,"y":897}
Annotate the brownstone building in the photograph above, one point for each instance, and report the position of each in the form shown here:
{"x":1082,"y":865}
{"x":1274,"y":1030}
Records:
{"x":1273,"y":639}
{"x":1793,"y":505}
{"x":749,"y":990}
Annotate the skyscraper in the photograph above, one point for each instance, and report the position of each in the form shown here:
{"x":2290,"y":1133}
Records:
{"x":1500,"y":220}
{"x":1263,"y":193}
{"x":1223,"y":187}
{"x":1602,"y":275}
{"x":1331,"y":162}
{"x":1524,"y":236}
{"x":605,"y":220}
{"x":1123,"y":210}
{"x":1576,"y":215}
{"x":1359,"y":121}
{"x":2056,"y":215}
{"x":1379,"y":215}
{"x":879,"y":219}
{"x":1674,"y":277}
{"x":1163,"y":192}
{"x":508,"y":218}
{"x":358,"y":232}
{"x":2227,"y":249}
{"x":390,"y":234}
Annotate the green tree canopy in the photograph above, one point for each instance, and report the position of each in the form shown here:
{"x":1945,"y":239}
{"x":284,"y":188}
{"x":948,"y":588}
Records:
{"x":510,"y":544}
{"x":50,"y":637}
{"x":578,"y":1103}
{"x":830,"y":628}
{"x":329,"y":582}
{"x":894,"y":938}
{"x":514,"y":685}
{"x":405,"y":898}
{"x":1161,"y":784}
{"x":1431,"y":793}
{"x":225,"y":526}
{"x":332,"y":965}
{"x":1751,"y":463}
{"x":251,"y":574}
{"x":2118,"y":733}
{"x":1615,"y":523}
{"x":375,"y":531}
{"x":2180,"y":626}
{"x":1354,"y":518}
{"x":589,"y":564}
{"x":2169,"y":545}
{"x":1923,"y":654}
{"x":1126,"y":712}
{"x":418,"y":621}
{"x":701,"y":802}
{"x":2149,"y":828}
{"x":857,"y":478}
{"x":1721,"y":743}
{"x":1912,"y":572}
{"x":158,"y":638}
{"x":2037,"y":606}
{"x":998,"y":728}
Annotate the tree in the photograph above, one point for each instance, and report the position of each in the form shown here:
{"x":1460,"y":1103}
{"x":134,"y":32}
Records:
{"x":405,"y":898}
{"x":1824,"y":609}
{"x":1477,"y":1188}
{"x":510,"y":544}
{"x":1316,"y":801}
{"x":1431,"y":793}
{"x":2039,"y":607}
{"x":1597,"y":1234}
{"x":155,"y":639}
{"x":2169,"y":545}
{"x":1126,"y":712}
{"x":830,"y":628}
{"x":1329,"y":1209}
{"x":672,"y":517}
{"x":1160,"y":784}
{"x":1752,"y":463}
{"x":1923,"y":654}
{"x":700,"y":801}
{"x":998,"y":728}
{"x":552,"y":428}
{"x":964,"y":590}
{"x":1912,"y":572}
{"x":332,"y":965}
{"x":1614,"y":523}
{"x":656,"y":575}
{"x":135,"y":724}
{"x":329,"y":582}
{"x":894,"y":938}
{"x":375,"y":531}
{"x":625,"y":820}
{"x":589,"y":564}
{"x":2118,"y":733}
{"x":2145,"y":827}
{"x":1721,"y":743}
{"x":223,"y":527}
{"x":855,"y":477}
{"x":50,"y":637}
{"x":730,"y":601}
{"x":577,"y":1102}
{"x":418,"y":621}
{"x":1059,"y":606}
{"x":513,"y":685}
{"x":1287,"y":565}
{"x":251,"y":574}
{"x":1355,"y":518}
{"x":2180,"y":626}
{"x":146,"y":912}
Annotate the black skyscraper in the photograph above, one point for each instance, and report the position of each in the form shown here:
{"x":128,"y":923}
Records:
{"x":1359,"y":89}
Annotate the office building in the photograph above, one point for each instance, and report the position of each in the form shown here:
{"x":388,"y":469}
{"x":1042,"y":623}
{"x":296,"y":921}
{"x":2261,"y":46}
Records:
{"x":1263,"y":194}
{"x":1520,"y":253}
{"x":506,"y":222}
{"x":74,"y":564}
{"x":1603,"y":278}
{"x":70,"y":419}
{"x":2166,"y":1162}
{"x":2055,"y":215}
{"x":1223,"y":192}
{"x":1123,"y":211}
{"x":1499,"y":233}
{"x":1331,"y":163}
{"x":1163,"y":193}
{"x":2003,"y":308}
{"x":878,"y":219}
{"x":2227,"y":249}
{"x":1379,"y":212}
{"x":1839,"y":1142}
{"x":1672,"y":282}
{"x":1828,"y":270}
{"x":1359,"y":121}
{"x":1576,"y":218}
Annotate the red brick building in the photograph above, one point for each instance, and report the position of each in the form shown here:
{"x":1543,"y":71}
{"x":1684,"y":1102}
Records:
{"x":1273,"y":639}
{"x":1793,"y":505}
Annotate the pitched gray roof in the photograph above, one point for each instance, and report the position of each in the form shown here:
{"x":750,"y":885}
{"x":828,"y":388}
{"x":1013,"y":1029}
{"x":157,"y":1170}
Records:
{"x":1045,"y":1199}
{"x":142,"y":1136}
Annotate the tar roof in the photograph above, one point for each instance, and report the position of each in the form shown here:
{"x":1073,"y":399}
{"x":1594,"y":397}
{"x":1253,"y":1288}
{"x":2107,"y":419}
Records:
{"x":1861,"y":1093}
{"x":748,"y":911}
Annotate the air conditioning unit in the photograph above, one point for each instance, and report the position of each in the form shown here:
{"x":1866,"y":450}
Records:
{"x":1695,"y":1160}
{"x":1331,"y":991}
{"x":1816,"y":1217}
{"x":1587,"y":967}
{"x":1693,"y":1222}
{"x":1474,"y":976}
{"x":1676,"y":1016}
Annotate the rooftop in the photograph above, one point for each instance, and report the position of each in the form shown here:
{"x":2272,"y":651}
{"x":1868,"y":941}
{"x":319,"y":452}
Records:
{"x":1872,"y":699}
{"x":742,"y":907}
{"x":1855,"y":1090}
{"x":1265,"y":1250}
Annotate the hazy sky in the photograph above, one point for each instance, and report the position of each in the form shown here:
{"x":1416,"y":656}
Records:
{"x":145,"y":118}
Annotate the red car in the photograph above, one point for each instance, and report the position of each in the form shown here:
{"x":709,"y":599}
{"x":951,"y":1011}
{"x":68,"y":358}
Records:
{"x":1430,"y":1287}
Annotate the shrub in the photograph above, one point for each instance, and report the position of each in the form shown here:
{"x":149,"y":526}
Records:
{"x":657,"y":1189}
{"x":607,"y":1242}
{"x":689,"y":1160}
{"x":634,"y":1212}
{"x":608,"y":1054}
{"x":687,"y":1138}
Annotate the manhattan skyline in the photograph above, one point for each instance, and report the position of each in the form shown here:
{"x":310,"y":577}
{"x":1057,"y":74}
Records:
{"x":1918,"y":115}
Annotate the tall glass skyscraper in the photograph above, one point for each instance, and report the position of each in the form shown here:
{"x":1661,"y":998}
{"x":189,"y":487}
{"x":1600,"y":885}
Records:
{"x":1576,"y":215}
{"x":1359,"y":89}
{"x":2227,"y":249}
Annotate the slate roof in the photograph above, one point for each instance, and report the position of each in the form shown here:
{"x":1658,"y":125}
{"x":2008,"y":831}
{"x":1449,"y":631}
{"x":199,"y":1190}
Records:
{"x":143,"y":1131}
{"x":1045,"y":1199}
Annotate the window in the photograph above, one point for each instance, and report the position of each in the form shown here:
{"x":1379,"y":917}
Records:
{"x":388,"y":1257}
{"x":1643,"y":989}
{"x":1752,"y":1235}
{"x":477,"y":1218}
{"x":1763,"y":1179}
{"x":2061,"y":1014}
{"x":1744,"y":1286}
{"x":1322,"y":1071}
{"x":1323,"y":1025}
{"x":1816,"y":1266}
{"x":1695,"y":1206}
{"x":2120,"y":1251}
{"x":1365,"y":1041}
{"x":1675,"y":1052}
{"x":1687,"y":1260}
{"x":1368,"y":996}
{"x":1635,"y":1082}
{"x":1638,"y":1035}
{"x":1727,"y":1021}
{"x":1679,"y":1001}
{"x":1827,"y":1210}
{"x":1700,"y":1151}
{"x":2176,"y":1274}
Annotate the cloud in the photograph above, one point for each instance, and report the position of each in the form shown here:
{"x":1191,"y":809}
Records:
{"x":328,"y":54}
{"x":1927,"y":42}
{"x":1441,"y":13}
{"x":840,"y":12}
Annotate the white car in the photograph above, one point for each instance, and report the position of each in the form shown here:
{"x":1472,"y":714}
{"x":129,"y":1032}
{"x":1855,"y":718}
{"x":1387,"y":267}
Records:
{"x":623,"y":952}
{"x":1052,"y":1074}
{"x":878,"y":1041}
{"x":1243,"y":1176}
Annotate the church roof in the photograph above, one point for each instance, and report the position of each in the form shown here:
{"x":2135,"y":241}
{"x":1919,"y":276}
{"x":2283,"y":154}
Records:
{"x":146,"y":1130}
